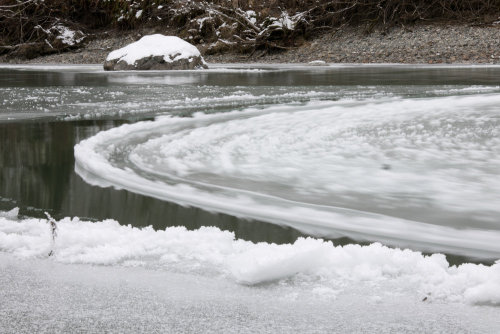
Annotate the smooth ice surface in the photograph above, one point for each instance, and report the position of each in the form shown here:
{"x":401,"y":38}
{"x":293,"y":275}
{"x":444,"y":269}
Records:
{"x":172,"y":48}
{"x":418,"y":172}
{"x":309,"y":265}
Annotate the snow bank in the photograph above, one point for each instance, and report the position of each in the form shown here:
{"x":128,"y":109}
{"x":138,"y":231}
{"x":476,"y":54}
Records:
{"x":311,"y":263}
{"x":172,"y":48}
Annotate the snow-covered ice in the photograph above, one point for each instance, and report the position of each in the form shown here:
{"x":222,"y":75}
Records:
{"x":44,"y":296}
{"x":309,"y":264}
{"x":321,"y":168}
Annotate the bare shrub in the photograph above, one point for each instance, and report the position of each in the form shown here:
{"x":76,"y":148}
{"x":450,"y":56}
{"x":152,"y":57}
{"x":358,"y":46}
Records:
{"x":27,"y":26}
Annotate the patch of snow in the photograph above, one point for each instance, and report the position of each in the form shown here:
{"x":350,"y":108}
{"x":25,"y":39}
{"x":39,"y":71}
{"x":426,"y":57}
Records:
{"x":283,"y":22}
{"x":170,"y":47}
{"x":252,"y":16}
{"x":138,"y":14}
{"x":224,"y":41}
{"x":68,"y":36}
{"x":287,"y":22}
{"x":201,"y":21}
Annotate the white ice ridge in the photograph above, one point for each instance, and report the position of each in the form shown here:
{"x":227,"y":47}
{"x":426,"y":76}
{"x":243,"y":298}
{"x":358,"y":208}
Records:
{"x":171,"y":47}
{"x":306,"y":264}
{"x":280,"y":164}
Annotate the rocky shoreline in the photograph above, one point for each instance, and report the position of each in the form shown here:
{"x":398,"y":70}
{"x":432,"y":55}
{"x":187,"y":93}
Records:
{"x":418,"y":44}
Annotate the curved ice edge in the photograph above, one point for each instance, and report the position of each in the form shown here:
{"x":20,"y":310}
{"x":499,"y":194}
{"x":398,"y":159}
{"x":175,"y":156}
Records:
{"x":308,"y":264}
{"x":92,"y":165}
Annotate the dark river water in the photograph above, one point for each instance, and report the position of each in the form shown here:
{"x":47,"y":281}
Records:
{"x":46,"y":111}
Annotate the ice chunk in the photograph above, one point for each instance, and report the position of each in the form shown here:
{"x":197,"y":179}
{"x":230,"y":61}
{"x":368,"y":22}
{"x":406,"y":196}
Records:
{"x":10,"y":214}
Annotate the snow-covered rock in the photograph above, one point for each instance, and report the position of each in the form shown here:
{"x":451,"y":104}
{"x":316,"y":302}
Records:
{"x":156,"y":52}
{"x":317,"y":63}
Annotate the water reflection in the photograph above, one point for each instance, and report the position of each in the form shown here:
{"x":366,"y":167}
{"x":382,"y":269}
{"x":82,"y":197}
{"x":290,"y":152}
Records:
{"x":34,"y":159}
{"x":267,"y":76}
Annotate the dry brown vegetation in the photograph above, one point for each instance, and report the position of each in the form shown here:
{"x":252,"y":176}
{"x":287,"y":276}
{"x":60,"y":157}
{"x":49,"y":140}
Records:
{"x":29,"y":28}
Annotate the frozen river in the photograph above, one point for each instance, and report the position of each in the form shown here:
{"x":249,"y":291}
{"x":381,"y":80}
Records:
{"x":406,"y":156}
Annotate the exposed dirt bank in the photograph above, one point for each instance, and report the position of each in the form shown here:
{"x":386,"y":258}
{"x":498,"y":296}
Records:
{"x":427,"y":44}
